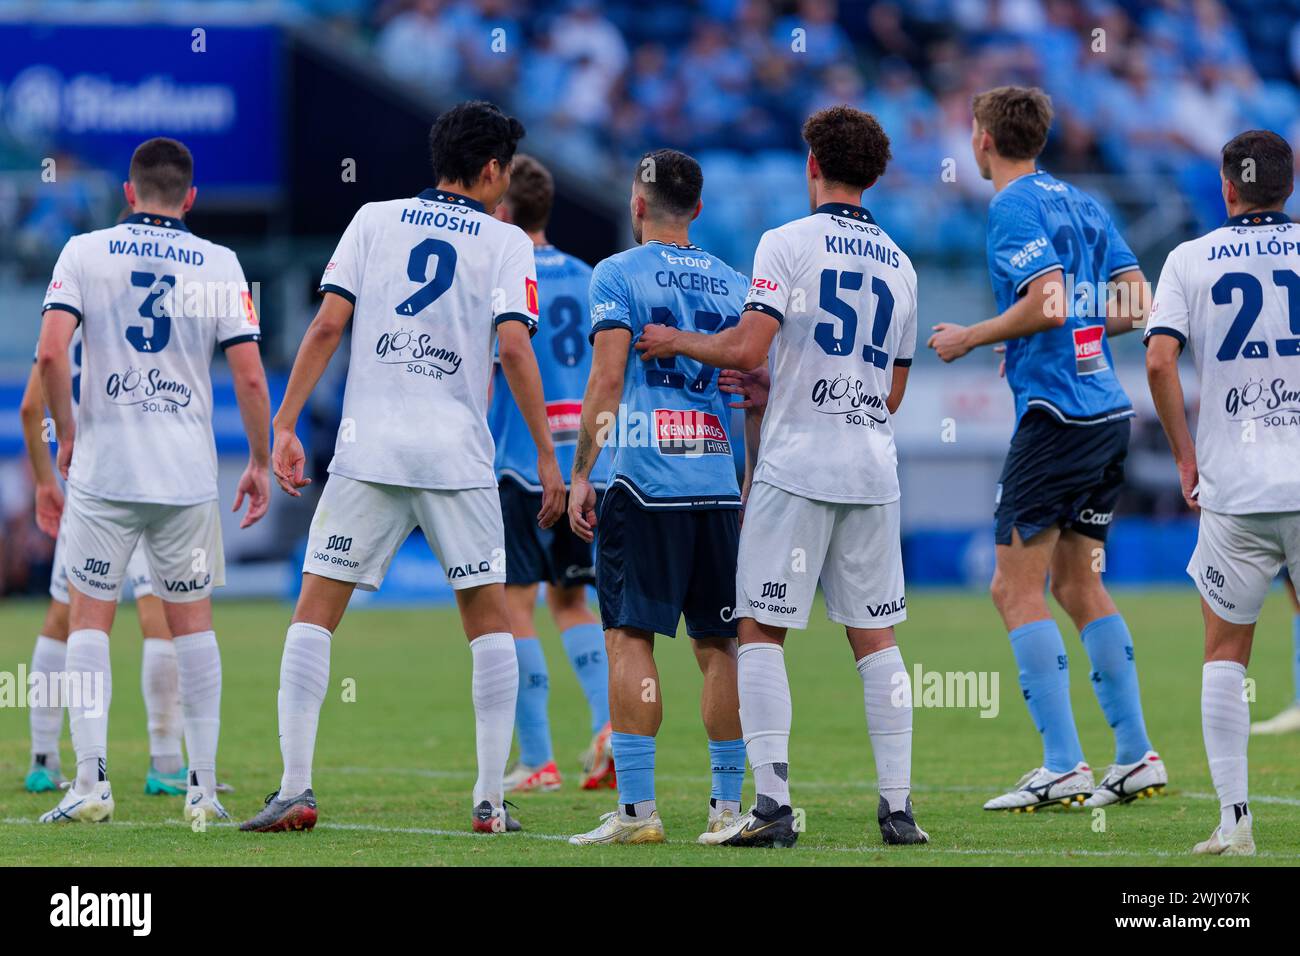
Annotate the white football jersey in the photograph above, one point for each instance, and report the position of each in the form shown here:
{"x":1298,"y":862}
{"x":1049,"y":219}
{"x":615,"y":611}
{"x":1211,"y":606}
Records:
{"x":1233,"y":297}
{"x":845,"y":296}
{"x":153,"y":301}
{"x":430,"y":277}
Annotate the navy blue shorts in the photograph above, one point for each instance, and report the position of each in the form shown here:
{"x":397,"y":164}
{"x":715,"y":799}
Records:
{"x":1059,"y":475}
{"x":654,"y":566}
{"x":554,"y":555}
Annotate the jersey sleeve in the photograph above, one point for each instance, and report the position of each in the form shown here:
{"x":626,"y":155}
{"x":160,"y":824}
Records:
{"x":907,"y":330}
{"x":238,"y":321}
{"x":1119,"y":257}
{"x":343,"y":273}
{"x":1019,"y":242}
{"x":769,"y":290}
{"x":64,"y":290}
{"x":610,"y":308}
{"x":514,"y":297}
{"x":1169,"y":315}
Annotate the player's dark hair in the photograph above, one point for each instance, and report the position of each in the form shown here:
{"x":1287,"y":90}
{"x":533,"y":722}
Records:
{"x":1259,"y":163}
{"x":672,"y":182}
{"x":531,"y":193}
{"x":1017,"y":117}
{"x":162,"y":171}
{"x":849,"y":145}
{"x":466,"y":137}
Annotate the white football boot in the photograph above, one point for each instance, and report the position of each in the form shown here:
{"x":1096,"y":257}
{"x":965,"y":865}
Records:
{"x":198,"y":803}
{"x":94,"y":807}
{"x":1126,"y":782}
{"x":719,"y":820}
{"x":1240,"y":842}
{"x":1285,"y":722}
{"x":1043,"y":787}
{"x":614,"y":828}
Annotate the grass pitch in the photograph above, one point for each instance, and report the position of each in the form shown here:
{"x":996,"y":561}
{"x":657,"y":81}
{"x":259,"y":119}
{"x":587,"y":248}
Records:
{"x":395,"y":766}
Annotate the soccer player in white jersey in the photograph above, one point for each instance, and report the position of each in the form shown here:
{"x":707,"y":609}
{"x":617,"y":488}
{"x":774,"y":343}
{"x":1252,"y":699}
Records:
{"x":158,"y":678}
{"x":152,"y":301}
{"x":428,"y":283}
{"x":1233,"y":297}
{"x":838,"y":299}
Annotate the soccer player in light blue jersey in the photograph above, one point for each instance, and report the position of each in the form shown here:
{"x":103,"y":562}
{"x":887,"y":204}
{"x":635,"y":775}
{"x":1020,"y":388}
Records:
{"x":670,"y":520}
{"x":552,"y":555}
{"x":1055,"y":257}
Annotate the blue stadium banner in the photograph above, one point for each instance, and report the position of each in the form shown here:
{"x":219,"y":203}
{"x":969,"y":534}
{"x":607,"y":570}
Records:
{"x":97,"y":90}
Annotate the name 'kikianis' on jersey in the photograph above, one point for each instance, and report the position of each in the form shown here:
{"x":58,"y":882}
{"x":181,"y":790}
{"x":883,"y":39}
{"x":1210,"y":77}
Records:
{"x":1037,"y":225}
{"x":564,"y":359}
{"x":671,"y":442}
{"x":845,"y":296}
{"x":1233,"y":297}
{"x":430,"y":278}
{"x":152,"y":301}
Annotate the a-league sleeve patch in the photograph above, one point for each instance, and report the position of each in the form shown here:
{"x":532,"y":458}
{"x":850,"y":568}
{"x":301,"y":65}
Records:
{"x":530,"y":295}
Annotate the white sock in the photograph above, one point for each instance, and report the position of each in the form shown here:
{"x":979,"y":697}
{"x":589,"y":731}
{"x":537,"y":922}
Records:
{"x":765,"y":715}
{"x":48,"y":660}
{"x":198,"y":666}
{"x":495,"y":687}
{"x":1225,"y":722}
{"x":887,"y":694}
{"x":304,"y":680}
{"x":160,"y":682}
{"x":88,"y":668}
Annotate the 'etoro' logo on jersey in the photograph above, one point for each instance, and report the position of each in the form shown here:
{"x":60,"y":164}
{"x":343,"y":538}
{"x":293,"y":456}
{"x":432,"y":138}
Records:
{"x":150,"y":389}
{"x":417,"y":352}
{"x":849,"y":397}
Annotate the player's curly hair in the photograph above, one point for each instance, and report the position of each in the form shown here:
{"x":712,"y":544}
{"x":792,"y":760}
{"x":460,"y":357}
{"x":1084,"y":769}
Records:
{"x":531,"y":193}
{"x":849,"y":145}
{"x":466,"y":137}
{"x":1017,"y":117}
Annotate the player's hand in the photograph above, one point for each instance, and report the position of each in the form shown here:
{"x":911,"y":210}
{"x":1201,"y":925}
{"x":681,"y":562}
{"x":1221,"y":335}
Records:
{"x":751,"y":386}
{"x":950,"y":341}
{"x":256,"y":484}
{"x":287,"y":461}
{"x":656,"y":342}
{"x":64,"y":460}
{"x":1002,"y":366}
{"x":1189,"y":479}
{"x":49,"y":507}
{"x":552,"y":491}
{"x":582,"y":509}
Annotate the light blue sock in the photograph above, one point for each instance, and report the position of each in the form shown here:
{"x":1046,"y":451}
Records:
{"x":585,"y":645}
{"x":1115,"y":681}
{"x":531,"y":719}
{"x":1295,"y":661}
{"x":727,"y":760}
{"x":1045,"y":681}
{"x":634,"y":764}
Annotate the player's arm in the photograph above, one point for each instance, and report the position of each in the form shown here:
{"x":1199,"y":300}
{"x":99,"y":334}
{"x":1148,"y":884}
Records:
{"x":1167,"y":394}
{"x":519,"y":363}
{"x":254,"y":401}
{"x":1129,"y":302}
{"x":897,"y":387}
{"x":49,"y":496}
{"x":1042,"y":307}
{"x":599,"y":408}
{"x":318,"y":346}
{"x":57,"y":328}
{"x":743,"y":346}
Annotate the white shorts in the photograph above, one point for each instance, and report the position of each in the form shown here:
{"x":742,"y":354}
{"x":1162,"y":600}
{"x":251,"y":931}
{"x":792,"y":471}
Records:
{"x":1238,"y":556}
{"x":180,"y":545}
{"x":137,"y":573}
{"x":787,"y":542}
{"x":360,"y":525}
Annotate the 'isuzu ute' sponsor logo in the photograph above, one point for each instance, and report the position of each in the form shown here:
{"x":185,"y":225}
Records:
{"x":690,"y":433}
{"x":1088,"y":355}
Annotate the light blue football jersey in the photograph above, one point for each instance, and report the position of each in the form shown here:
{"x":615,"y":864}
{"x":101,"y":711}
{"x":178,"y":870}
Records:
{"x":671,"y":443}
{"x":564,"y":358}
{"x":1038,"y":224}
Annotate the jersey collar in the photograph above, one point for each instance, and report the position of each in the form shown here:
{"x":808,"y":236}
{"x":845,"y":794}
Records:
{"x":149,"y":219}
{"x":456,"y":199}
{"x":846,"y":211}
{"x":1266,"y":218}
